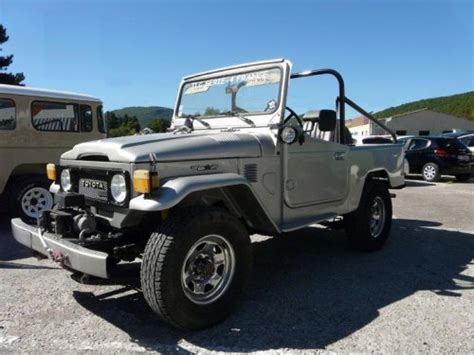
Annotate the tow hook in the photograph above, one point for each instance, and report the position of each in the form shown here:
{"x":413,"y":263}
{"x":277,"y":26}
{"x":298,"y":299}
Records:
{"x":44,"y":244}
{"x":56,"y":256}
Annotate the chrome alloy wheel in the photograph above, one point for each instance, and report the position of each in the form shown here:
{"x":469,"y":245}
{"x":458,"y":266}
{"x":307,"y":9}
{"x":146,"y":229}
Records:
{"x":377,"y":217}
{"x":208,"y":269}
{"x":429,"y":172}
{"x":35,"y":201}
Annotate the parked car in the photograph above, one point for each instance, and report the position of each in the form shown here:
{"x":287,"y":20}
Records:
{"x":186,"y":201}
{"x":436,"y":156}
{"x":456,"y":133}
{"x":372,"y":140}
{"x":36,"y":127}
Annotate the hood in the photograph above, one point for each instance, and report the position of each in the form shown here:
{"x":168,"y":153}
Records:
{"x":169,"y":147}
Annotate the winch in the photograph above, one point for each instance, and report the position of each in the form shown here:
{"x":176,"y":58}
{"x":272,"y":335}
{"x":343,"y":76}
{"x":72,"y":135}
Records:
{"x":69,"y":218}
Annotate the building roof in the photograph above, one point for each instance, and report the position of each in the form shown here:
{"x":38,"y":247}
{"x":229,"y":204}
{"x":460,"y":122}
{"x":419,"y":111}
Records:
{"x":410,"y":112}
{"x":28,"y":91}
{"x":406,"y":114}
{"x":357,"y":121}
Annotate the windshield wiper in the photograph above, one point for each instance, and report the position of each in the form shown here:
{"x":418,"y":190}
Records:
{"x":240,"y":116}
{"x":199,"y":119}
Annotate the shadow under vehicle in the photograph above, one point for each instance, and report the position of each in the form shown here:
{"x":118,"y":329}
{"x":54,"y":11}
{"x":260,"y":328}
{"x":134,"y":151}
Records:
{"x":308,"y":290}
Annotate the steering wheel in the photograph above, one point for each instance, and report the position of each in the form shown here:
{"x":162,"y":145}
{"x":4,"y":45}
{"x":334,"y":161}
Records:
{"x":293,"y":114}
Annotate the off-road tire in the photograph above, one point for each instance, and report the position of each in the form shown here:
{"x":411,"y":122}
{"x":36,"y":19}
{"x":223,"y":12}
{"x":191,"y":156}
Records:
{"x":165,"y":254}
{"x":430,"y":172}
{"x":357,"y":223}
{"x":463,"y":177}
{"x":19,"y":187}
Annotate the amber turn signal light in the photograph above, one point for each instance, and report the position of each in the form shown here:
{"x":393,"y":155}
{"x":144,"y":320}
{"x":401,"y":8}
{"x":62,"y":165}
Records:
{"x":51,"y":172}
{"x":144,"y":181}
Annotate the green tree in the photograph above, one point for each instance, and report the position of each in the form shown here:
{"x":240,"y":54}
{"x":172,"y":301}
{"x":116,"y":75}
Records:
{"x":120,"y":132}
{"x":210,"y":111}
{"x":158,"y":125}
{"x":5,"y":61}
{"x":132,"y":124}
{"x":122,"y":126}
{"x":112,"y":120}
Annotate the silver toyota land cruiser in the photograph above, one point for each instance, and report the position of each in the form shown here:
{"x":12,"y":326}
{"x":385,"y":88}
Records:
{"x":237,"y":161}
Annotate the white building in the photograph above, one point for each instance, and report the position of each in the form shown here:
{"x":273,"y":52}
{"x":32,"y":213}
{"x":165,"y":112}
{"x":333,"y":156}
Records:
{"x":426,"y":123}
{"x":360,"y":126}
{"x":417,"y":123}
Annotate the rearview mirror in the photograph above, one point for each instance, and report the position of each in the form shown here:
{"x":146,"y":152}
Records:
{"x":327,"y":120}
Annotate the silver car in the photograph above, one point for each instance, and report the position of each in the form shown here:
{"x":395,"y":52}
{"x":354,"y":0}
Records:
{"x":237,"y":161}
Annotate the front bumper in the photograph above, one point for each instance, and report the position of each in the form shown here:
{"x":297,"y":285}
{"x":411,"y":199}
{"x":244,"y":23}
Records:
{"x":459,"y":169}
{"x":75,"y":257}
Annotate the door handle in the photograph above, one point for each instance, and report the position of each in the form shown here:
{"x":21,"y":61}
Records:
{"x":339,"y":155}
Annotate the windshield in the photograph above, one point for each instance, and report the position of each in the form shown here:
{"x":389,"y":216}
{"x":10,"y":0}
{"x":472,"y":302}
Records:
{"x":254,"y":92}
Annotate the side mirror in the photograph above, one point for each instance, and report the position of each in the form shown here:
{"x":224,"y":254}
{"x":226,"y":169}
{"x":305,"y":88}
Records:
{"x":327,"y":120}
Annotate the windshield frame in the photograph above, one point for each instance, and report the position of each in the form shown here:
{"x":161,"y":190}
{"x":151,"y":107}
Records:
{"x":231,"y":73}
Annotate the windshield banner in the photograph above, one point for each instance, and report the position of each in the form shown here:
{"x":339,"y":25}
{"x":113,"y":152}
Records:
{"x":245,"y":79}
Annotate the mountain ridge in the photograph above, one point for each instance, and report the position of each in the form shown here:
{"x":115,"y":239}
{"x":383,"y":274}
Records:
{"x":145,"y":114}
{"x":459,"y":105}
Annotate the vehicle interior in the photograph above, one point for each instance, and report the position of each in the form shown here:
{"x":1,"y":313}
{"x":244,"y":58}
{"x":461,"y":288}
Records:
{"x":329,"y":125}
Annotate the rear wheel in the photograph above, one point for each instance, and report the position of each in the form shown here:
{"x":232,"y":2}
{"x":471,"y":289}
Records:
{"x":195,"y":267}
{"x":368,"y":227}
{"x":431,"y":172}
{"x":29,"y":197}
{"x":463,"y":177}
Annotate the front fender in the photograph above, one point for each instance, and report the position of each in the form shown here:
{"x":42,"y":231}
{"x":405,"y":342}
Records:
{"x":175,"y":190}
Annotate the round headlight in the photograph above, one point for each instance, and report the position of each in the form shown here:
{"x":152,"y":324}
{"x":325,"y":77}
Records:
{"x":288,"y":135}
{"x":118,"y":188}
{"x":66,"y":180}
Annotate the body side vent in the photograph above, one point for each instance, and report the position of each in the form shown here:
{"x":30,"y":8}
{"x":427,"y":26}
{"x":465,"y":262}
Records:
{"x":251,"y":172}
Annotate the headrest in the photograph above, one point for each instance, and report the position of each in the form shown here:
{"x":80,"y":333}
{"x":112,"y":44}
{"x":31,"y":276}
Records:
{"x":311,"y":116}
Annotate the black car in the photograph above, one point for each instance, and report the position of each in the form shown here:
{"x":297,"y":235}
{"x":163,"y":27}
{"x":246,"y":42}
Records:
{"x":435,"y":156}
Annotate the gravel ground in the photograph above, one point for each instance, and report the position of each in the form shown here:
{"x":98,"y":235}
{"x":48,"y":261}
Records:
{"x":308,"y":293}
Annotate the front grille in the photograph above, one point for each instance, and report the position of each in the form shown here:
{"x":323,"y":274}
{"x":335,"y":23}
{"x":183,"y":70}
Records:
{"x":94,"y":189}
{"x":94,"y":184}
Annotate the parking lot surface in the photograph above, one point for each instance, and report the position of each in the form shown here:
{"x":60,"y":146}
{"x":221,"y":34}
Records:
{"x":308,"y":292}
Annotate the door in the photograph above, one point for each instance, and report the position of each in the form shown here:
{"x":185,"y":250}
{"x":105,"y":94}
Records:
{"x":416,"y":153}
{"x":316,"y":172}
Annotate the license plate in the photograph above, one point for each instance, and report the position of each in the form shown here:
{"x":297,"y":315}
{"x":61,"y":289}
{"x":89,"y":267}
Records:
{"x":463,"y":157}
{"x":95,"y":189}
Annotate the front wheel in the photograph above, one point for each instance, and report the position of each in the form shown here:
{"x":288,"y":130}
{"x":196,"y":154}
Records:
{"x":29,"y":197}
{"x":368,"y":227}
{"x":195,"y":267}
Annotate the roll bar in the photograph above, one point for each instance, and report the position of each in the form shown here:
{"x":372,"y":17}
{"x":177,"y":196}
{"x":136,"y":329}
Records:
{"x":340,"y":108}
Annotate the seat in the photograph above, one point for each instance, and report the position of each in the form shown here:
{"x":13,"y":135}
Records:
{"x":311,"y":126}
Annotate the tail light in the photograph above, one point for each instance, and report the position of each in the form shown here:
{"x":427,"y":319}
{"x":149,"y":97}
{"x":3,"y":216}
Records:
{"x":441,"y":152}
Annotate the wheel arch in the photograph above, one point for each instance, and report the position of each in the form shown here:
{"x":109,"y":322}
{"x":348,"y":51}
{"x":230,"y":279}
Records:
{"x":230,"y":191}
{"x":25,"y":170}
{"x":379,"y":175}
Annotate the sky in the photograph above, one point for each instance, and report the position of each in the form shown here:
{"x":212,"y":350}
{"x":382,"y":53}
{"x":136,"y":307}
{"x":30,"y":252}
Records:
{"x":134,"y":53}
